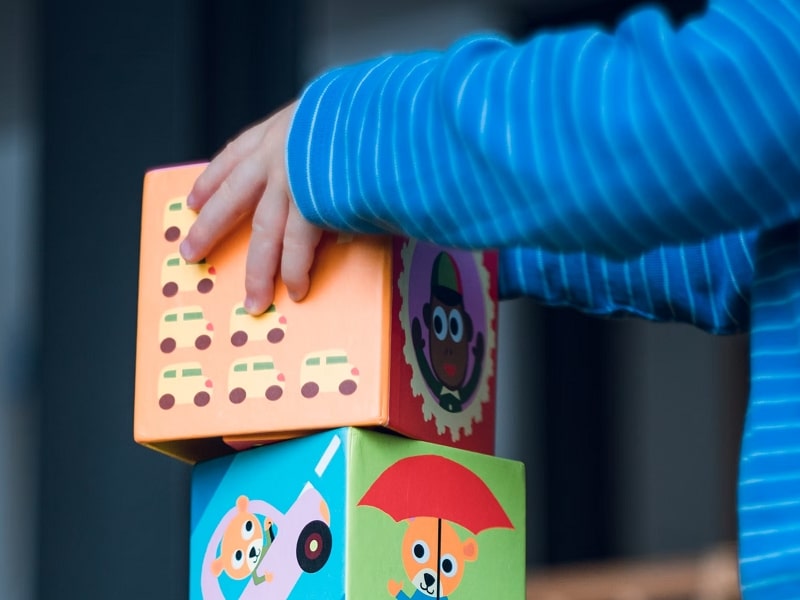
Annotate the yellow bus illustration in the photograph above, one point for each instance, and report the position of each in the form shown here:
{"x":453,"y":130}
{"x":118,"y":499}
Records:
{"x":327,"y":371}
{"x":255,"y":377}
{"x":177,"y":219}
{"x":179,"y":275}
{"x":184,"y":327}
{"x":183,"y":383}
{"x":270,"y":325}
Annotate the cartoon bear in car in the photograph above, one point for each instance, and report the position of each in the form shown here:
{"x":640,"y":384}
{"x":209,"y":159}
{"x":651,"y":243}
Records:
{"x":244,"y":545}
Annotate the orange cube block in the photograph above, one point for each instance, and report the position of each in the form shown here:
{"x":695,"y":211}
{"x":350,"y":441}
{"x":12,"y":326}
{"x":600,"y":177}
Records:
{"x":394,"y":333}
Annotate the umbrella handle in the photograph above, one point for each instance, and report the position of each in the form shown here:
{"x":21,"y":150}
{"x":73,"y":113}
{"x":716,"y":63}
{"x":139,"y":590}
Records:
{"x":438,"y":558}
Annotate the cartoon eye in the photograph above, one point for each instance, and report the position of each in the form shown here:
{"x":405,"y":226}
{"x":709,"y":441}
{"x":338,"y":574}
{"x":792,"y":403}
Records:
{"x":448,"y":565}
{"x":247,"y":529}
{"x":420,"y":551}
{"x":439,"y":323}
{"x":456,"y":325}
{"x":237,"y":560}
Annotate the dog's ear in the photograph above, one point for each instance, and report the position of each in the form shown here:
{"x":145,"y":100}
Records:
{"x":470,"y":549}
{"x":217,"y":565}
{"x":241,"y":503}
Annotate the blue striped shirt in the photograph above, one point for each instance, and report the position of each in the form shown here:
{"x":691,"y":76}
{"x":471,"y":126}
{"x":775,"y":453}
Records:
{"x":652,"y":171}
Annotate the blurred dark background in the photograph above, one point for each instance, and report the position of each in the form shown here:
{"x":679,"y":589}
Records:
{"x":629,"y":431}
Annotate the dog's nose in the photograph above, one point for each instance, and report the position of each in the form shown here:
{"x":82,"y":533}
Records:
{"x":253,"y":553}
{"x":429,"y":579}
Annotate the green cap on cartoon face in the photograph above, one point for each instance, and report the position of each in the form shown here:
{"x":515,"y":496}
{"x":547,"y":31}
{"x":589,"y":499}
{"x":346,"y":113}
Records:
{"x":445,"y":274}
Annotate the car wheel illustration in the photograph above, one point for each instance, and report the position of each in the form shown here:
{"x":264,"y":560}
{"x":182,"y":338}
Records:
{"x":309,"y":390}
{"x":202,"y":342}
{"x":237,"y":395}
{"x":204,"y":286}
{"x":275,"y":335}
{"x":314,"y":546}
{"x":170,"y":289}
{"x":166,"y":401}
{"x":239,"y":338}
{"x":347,"y":387}
{"x":274,"y":392}
{"x":172,"y":234}
{"x":202,"y":398}
{"x":168,"y":345}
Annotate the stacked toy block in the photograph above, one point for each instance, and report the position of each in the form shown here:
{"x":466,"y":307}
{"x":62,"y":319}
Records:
{"x":344,"y":443}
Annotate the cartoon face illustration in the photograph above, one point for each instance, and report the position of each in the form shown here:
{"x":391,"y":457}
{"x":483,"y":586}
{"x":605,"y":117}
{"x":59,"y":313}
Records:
{"x":178,"y":275}
{"x":244,"y":543}
{"x":327,"y":371}
{"x":255,"y":540}
{"x":449,"y":339}
{"x":244,"y":327}
{"x":255,"y":376}
{"x":177,"y":219}
{"x":183,"y":383}
{"x":183,"y":328}
{"x":450,"y":332}
{"x":410,"y":490}
{"x":434,"y":558}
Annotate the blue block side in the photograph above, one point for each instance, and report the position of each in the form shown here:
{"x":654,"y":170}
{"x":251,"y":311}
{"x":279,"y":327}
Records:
{"x":285,"y":482}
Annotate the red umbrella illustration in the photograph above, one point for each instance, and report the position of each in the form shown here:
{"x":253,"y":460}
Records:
{"x":433,"y":486}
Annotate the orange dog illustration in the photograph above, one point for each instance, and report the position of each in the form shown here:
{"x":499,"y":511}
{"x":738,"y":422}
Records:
{"x":244,"y":544}
{"x":433,"y":558}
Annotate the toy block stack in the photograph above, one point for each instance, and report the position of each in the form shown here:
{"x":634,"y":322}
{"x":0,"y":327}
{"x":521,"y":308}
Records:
{"x":343,"y":445}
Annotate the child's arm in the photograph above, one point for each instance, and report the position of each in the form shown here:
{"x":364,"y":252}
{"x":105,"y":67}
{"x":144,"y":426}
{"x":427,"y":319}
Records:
{"x":575,"y":140}
{"x":706,"y":284}
{"x":572,"y":141}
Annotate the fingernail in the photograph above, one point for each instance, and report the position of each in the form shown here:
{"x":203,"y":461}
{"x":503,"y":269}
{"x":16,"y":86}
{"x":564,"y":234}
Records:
{"x":190,"y":201}
{"x":186,"y":250}
{"x":250,"y":305}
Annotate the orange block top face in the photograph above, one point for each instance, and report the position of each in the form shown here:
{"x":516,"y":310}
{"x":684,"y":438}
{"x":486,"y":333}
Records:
{"x":207,"y":369}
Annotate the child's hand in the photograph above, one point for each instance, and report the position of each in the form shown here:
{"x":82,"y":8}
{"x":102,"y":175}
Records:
{"x":249,"y":178}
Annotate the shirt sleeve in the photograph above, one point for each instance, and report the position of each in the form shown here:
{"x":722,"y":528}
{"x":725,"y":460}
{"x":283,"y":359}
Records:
{"x":612,"y":143}
{"x":705,"y":284}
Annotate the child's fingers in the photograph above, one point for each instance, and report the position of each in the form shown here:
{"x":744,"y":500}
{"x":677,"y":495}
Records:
{"x":235,"y":198}
{"x":300,"y":241}
{"x":263,"y":254}
{"x":222,"y":165}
